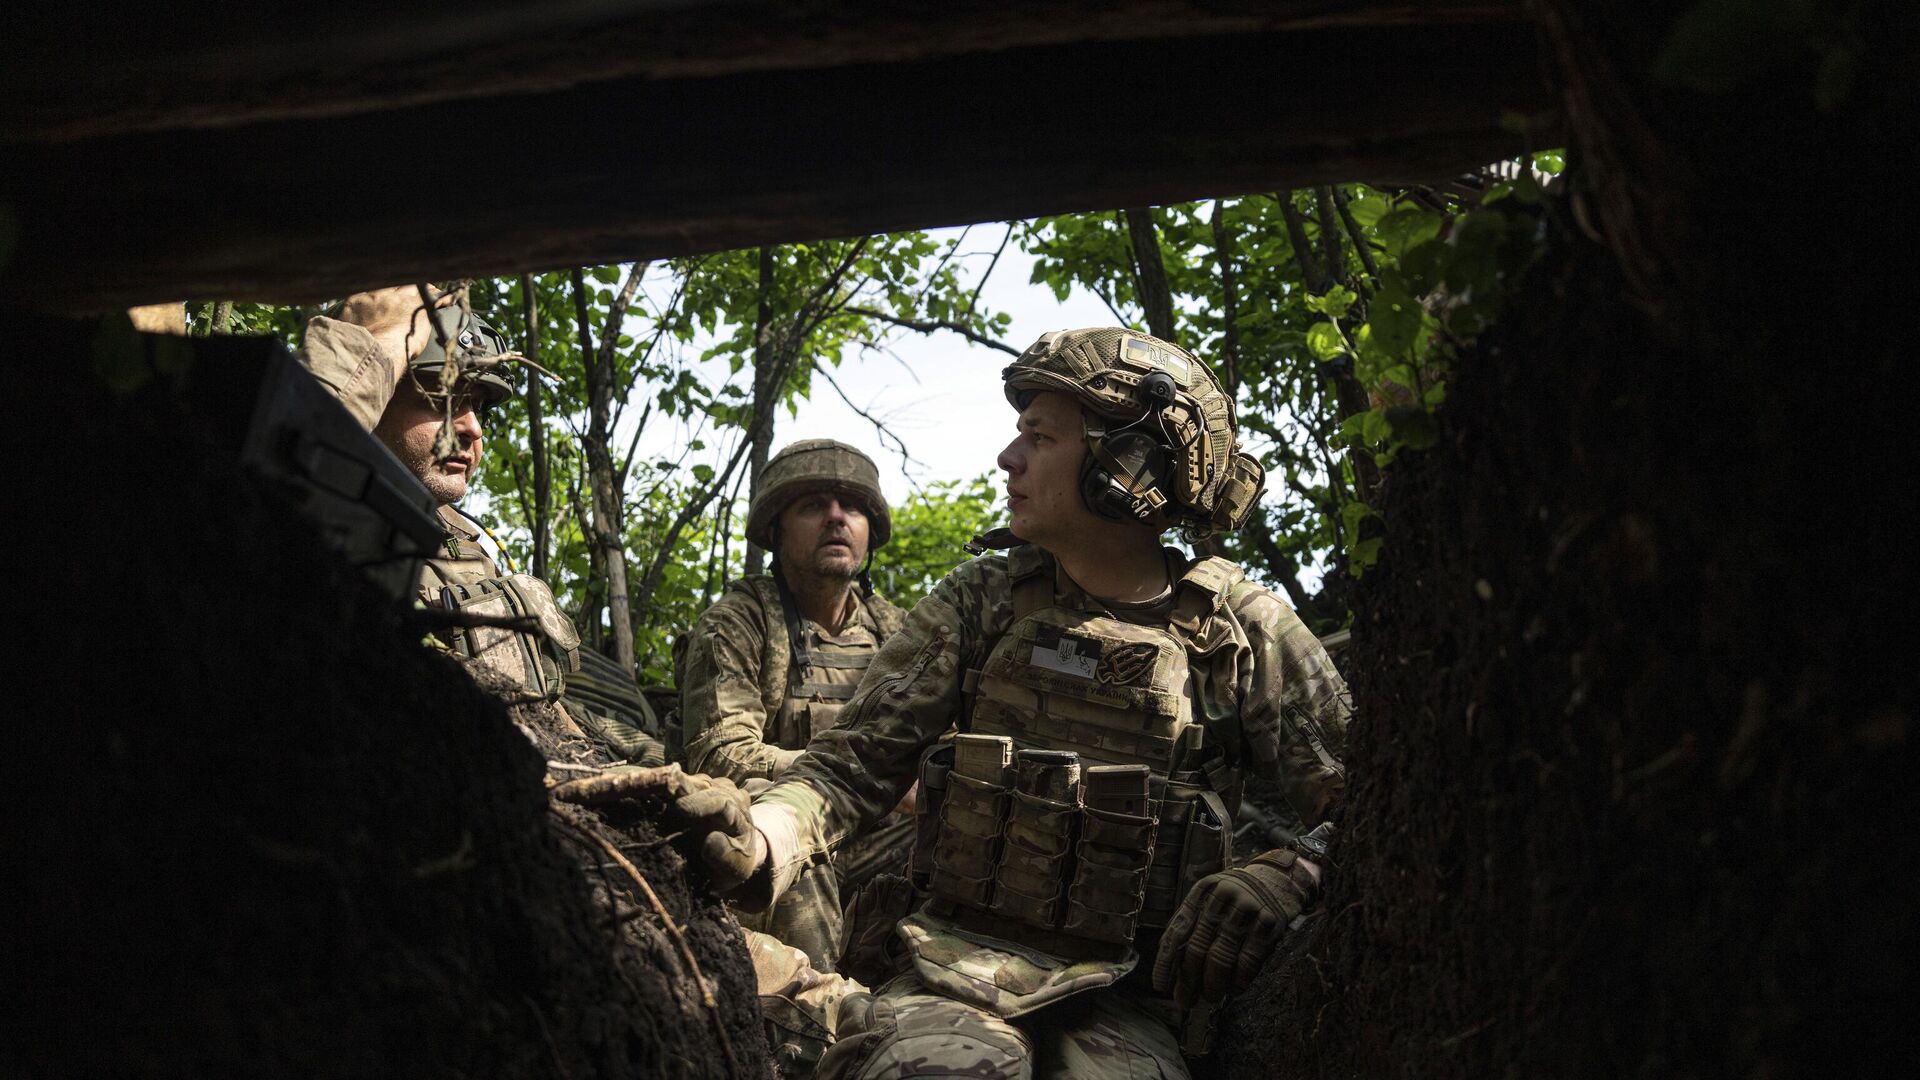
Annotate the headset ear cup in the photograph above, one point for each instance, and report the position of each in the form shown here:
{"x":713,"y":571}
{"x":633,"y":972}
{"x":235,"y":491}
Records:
{"x":1104,"y":495}
{"x":1126,"y":463}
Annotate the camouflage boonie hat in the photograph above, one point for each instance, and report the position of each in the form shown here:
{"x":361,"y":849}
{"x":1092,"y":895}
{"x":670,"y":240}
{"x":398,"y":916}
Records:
{"x":1151,"y":387}
{"x":812,"y":465}
{"x":480,"y":348}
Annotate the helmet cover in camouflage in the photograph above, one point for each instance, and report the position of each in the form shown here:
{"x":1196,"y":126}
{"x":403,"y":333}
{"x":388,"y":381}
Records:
{"x":812,"y":465}
{"x":1132,"y":382}
{"x":480,"y":349}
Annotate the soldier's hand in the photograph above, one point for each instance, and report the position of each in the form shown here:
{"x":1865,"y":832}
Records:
{"x":396,"y":319}
{"x":1228,"y":926}
{"x":710,"y":813}
{"x":714,"y":816}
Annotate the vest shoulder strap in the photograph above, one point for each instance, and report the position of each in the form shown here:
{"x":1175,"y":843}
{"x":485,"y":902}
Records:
{"x":1200,"y":602}
{"x":776,"y":652}
{"x":1030,"y":578}
{"x":888,"y":617}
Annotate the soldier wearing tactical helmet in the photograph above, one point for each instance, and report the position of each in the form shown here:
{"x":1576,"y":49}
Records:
{"x":1085,"y":913}
{"x":773,"y":661}
{"x":382,"y":358}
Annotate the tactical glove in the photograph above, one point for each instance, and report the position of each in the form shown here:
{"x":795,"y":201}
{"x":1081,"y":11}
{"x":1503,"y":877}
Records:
{"x":1228,"y":926}
{"x":714,"y":815}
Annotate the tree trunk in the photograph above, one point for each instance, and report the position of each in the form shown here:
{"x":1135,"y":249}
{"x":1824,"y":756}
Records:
{"x":542,"y":509}
{"x":1229,"y":303}
{"x":605,"y":501}
{"x":768,"y":372}
{"x":1150,"y":273}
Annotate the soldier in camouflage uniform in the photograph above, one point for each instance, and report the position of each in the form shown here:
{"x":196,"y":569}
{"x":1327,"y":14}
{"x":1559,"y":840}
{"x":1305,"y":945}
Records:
{"x":1111,"y":697}
{"x":774,"y":660}
{"x":383,"y":360}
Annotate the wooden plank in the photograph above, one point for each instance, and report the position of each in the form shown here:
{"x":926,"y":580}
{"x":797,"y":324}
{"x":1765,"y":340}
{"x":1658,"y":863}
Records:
{"x":622,"y":169}
{"x":85,"y":71}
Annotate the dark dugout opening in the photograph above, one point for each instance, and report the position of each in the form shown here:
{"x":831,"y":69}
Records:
{"x":1632,"y":807}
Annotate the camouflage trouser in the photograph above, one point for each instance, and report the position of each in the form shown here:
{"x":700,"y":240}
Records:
{"x":807,"y":916}
{"x":909,"y":1030}
{"x":801,"y":1006}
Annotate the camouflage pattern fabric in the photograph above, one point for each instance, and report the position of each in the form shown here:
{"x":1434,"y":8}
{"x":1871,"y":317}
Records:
{"x":870,"y":948}
{"x":801,"y":1006}
{"x":1280,"y":712}
{"x":1283,"y":716}
{"x":747,"y":710}
{"x":608,"y":703}
{"x":347,"y":360}
{"x":909,"y":1030}
{"x":811,"y":465}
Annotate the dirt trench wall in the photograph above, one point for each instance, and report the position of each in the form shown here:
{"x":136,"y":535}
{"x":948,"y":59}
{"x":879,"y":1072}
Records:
{"x":253,"y":828}
{"x":1632,"y":783}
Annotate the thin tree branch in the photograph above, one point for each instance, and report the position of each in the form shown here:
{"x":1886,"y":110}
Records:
{"x":1330,"y":246}
{"x":879,"y":425}
{"x":1150,"y":272}
{"x":982,"y":283}
{"x":928,"y":326}
{"x":1316,"y":277}
{"x":626,"y":463}
{"x":1360,"y":245}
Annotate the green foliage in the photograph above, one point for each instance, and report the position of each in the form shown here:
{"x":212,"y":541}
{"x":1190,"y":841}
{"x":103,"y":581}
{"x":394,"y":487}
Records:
{"x":1337,"y":368}
{"x":930,"y":532}
{"x":1335,"y":376}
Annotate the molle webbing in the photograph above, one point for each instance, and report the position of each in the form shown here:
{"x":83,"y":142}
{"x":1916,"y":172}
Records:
{"x":1045,"y":870}
{"x":1042,"y":867}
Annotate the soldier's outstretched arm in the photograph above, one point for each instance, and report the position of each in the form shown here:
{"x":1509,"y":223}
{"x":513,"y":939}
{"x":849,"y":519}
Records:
{"x":722,"y":709}
{"x":853,"y":773}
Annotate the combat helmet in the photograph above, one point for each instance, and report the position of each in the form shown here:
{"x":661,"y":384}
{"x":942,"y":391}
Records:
{"x":812,"y":465}
{"x":480,"y":349}
{"x":1162,"y":445}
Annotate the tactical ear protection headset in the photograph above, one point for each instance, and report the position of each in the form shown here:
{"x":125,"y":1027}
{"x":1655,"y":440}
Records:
{"x":1126,"y":473}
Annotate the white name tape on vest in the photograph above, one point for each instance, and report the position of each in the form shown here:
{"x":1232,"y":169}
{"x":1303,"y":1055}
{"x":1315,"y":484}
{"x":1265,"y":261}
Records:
{"x":1072,"y":656}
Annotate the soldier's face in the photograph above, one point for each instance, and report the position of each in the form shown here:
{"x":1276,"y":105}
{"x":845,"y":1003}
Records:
{"x":408,"y":428}
{"x":1042,"y":464}
{"x":824,"y":534}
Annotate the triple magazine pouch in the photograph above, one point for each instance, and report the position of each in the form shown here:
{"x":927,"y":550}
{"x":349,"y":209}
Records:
{"x":1073,"y":860}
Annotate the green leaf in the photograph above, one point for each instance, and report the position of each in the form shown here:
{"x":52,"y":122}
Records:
{"x":1324,"y":339}
{"x":1368,"y":210}
{"x":703,"y":473}
{"x":1363,"y":554}
{"x":1335,"y":304}
{"x":1413,"y":427}
{"x":606,"y":275}
{"x":1394,"y":318}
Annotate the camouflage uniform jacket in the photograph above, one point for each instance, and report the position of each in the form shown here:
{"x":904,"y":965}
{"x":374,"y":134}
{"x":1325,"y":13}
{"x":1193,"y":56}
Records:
{"x":1283,"y":715}
{"x":741,"y":720}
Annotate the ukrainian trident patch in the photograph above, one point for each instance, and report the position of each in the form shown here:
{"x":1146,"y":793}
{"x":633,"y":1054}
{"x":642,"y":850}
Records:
{"x":1128,"y":665}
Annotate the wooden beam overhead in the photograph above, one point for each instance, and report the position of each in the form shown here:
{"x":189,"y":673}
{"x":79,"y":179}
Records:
{"x":316,"y":202}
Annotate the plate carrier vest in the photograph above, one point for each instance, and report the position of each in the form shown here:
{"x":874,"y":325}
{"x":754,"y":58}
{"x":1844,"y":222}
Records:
{"x":1030,"y":856}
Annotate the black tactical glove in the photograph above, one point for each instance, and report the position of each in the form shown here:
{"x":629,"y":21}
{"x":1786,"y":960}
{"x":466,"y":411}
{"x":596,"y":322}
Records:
{"x":1228,"y":926}
{"x":870,"y":950}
